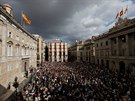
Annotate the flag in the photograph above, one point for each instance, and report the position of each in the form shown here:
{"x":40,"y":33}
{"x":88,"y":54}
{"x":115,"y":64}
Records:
{"x":117,"y":15}
{"x":26,"y":18}
{"x":126,"y":10}
{"x":121,"y":12}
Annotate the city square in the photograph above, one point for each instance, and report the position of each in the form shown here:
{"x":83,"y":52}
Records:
{"x":67,"y":50}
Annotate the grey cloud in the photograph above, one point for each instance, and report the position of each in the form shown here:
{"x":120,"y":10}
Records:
{"x":63,"y":18}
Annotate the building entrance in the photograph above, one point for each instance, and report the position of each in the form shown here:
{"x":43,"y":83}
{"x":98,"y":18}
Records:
{"x":122,"y":67}
{"x":107,"y":63}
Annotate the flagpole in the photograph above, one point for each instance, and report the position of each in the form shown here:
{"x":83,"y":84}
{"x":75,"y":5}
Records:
{"x":21,"y":18}
{"x":127,"y":11}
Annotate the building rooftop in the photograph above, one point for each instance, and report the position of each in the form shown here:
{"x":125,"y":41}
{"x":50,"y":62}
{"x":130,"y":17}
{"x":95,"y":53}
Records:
{"x":119,"y":26}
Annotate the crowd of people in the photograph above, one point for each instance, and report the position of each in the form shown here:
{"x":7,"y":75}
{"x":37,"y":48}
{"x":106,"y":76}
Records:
{"x":78,"y":82}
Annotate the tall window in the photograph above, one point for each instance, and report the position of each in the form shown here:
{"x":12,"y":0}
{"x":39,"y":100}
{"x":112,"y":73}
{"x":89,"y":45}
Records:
{"x":101,"y":44}
{"x":9,"y":50}
{"x":17,"y":38}
{"x":17,"y":50}
{"x":25,"y":51}
{"x":63,"y":53}
{"x":22,"y":51}
{"x":9,"y":67}
{"x":123,"y":38}
{"x":9,"y":34}
{"x":115,"y":41}
{"x":97,"y":44}
{"x":22,"y":40}
{"x":106,"y":43}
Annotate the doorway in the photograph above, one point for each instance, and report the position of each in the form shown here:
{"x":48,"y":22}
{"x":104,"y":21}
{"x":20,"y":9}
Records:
{"x":122,"y":67}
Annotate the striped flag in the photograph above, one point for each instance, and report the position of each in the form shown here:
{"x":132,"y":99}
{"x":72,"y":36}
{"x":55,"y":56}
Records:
{"x":121,"y":12}
{"x":26,"y":18}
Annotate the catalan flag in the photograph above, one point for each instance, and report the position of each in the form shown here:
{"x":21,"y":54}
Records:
{"x":26,"y":18}
{"x":121,"y":12}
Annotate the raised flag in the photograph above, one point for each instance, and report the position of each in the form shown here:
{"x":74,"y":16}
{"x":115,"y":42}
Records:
{"x":117,"y":15}
{"x":121,"y":12}
{"x":126,"y":10}
{"x":26,"y":18}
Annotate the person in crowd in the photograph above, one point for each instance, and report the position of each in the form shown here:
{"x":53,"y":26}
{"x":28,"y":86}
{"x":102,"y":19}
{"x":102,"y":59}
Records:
{"x":78,"y":82}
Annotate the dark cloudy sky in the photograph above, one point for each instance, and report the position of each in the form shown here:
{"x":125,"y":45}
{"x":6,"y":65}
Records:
{"x":70,"y":20}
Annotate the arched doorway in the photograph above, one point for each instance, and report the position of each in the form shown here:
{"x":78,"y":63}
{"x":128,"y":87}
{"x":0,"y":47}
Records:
{"x":122,"y":67}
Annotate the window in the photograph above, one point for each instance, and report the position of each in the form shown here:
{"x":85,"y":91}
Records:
{"x":27,"y":51}
{"x":9,"y":34}
{"x":115,"y":41}
{"x":81,"y":54}
{"x":97,"y":44}
{"x":9,"y":50}
{"x":22,"y":40}
{"x":86,"y":53}
{"x":63,"y":53}
{"x":115,"y":52}
{"x":101,"y":44}
{"x":17,"y":38}
{"x":9,"y":67}
{"x":17,"y":50}
{"x":134,"y":51}
{"x":22,"y":51}
{"x":106,"y":43}
{"x":55,"y":54}
{"x":17,"y":65}
{"x":123,"y":39}
{"x":60,"y":54}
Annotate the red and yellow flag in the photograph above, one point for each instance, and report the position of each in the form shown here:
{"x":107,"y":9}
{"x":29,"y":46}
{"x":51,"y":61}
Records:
{"x":121,"y":12}
{"x":26,"y":18}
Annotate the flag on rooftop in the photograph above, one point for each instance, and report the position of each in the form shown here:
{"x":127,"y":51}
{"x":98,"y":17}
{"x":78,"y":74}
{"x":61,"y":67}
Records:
{"x":121,"y":12}
{"x":26,"y":18}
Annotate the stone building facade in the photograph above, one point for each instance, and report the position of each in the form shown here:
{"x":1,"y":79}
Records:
{"x":115,"y":49}
{"x":58,"y":51}
{"x":40,"y":49}
{"x":72,"y":52}
{"x":17,"y":48}
{"x":83,"y":51}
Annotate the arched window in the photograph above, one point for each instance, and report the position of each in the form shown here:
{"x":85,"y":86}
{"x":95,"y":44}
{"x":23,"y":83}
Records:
{"x":9,"y":35}
{"x":17,"y":49}
{"x":9,"y":48}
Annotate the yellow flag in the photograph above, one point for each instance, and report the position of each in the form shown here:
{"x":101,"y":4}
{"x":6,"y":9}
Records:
{"x":26,"y":18}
